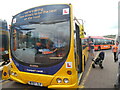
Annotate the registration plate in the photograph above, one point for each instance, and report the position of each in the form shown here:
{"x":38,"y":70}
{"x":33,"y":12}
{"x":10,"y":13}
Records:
{"x":35,"y":83}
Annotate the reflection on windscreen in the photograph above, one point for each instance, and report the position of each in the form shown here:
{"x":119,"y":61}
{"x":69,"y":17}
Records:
{"x":3,"y":42}
{"x":41,"y":43}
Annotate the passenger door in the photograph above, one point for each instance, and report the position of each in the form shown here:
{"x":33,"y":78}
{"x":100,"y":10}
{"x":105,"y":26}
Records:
{"x":78,"y":49}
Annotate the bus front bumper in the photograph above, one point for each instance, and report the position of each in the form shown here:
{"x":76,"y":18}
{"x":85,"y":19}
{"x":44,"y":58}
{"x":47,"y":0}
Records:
{"x":66,"y":86}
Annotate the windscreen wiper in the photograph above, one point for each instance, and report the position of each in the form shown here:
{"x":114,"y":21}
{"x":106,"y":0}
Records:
{"x":21,"y":28}
{"x":28,"y":29}
{"x":49,"y":22}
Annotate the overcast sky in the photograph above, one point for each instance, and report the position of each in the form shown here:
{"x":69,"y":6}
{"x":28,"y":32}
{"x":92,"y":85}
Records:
{"x":100,"y":16}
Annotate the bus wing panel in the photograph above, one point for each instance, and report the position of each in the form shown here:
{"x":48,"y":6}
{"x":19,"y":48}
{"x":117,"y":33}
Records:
{"x":6,"y":72}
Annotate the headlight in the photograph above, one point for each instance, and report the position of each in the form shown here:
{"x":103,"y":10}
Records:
{"x":59,"y":80}
{"x":66,"y":80}
{"x":14,"y":73}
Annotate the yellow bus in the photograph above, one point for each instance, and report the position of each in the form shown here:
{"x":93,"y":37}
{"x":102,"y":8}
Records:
{"x":45,"y":48}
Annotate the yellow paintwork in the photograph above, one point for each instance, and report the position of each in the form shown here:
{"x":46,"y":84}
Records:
{"x":81,"y":31}
{"x":84,"y":57}
{"x":6,"y":69}
{"x":50,"y":80}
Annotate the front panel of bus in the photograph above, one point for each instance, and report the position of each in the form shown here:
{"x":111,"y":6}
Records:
{"x":41,"y":47}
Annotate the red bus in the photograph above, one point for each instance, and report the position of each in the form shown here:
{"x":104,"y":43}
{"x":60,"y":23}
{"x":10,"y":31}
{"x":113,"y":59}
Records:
{"x":100,"y":42}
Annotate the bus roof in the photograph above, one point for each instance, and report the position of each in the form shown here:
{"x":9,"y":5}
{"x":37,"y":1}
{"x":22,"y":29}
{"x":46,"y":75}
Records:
{"x":110,"y":38}
{"x":99,"y":37}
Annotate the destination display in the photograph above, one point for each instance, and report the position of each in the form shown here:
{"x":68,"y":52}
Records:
{"x":43,"y":14}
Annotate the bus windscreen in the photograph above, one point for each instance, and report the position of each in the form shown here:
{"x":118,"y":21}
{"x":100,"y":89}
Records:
{"x":41,"y":35}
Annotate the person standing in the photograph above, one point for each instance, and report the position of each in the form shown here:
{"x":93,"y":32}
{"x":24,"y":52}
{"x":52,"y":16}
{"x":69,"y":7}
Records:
{"x":117,"y":84}
{"x":114,"y":50}
{"x":91,"y":46}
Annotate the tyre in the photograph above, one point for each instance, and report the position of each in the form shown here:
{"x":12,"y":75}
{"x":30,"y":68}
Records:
{"x":93,"y":65}
{"x":101,"y":66}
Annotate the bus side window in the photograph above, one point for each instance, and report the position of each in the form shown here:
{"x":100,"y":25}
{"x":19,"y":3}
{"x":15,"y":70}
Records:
{"x":102,"y":42}
{"x":112,"y":42}
{"x":95,"y":42}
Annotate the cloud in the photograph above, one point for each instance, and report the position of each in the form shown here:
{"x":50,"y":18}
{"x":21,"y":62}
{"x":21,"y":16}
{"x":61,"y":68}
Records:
{"x":99,"y":15}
